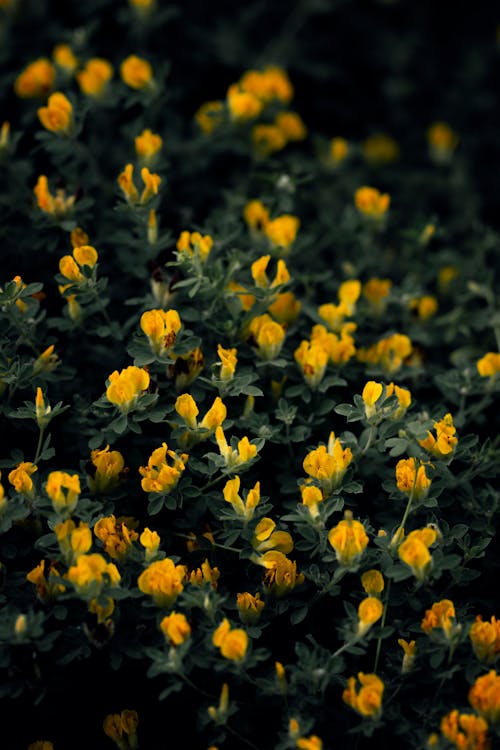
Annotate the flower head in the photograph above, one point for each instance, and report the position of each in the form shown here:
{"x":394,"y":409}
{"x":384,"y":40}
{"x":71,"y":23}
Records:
{"x":349,"y":540}
{"x":64,"y":490}
{"x":175,"y":628}
{"x":367,"y":700}
{"x":232,"y":642}
{"x":443,"y":442}
{"x":328,"y":464}
{"x":36,"y":80}
{"x":136,"y":72}
{"x":371,"y":203}
{"x":57,"y":115}
{"x":93,"y":79}
{"x":161,"y":475}
{"x":163,"y":580}
{"x":485,"y":639}
{"x":126,"y":387}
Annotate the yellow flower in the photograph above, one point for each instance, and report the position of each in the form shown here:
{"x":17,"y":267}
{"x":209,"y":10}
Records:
{"x":443,"y":444}
{"x":126,"y":387}
{"x":175,"y":628}
{"x":185,"y":406}
{"x":116,"y":535}
{"x":311,"y":497}
{"x":147,"y":145}
{"x":341,"y":348}
{"x":116,"y":725}
{"x":312,"y":358}
{"x":371,"y":203}
{"x":46,"y":362}
{"x":136,"y":72}
{"x":186,"y":368}
{"x":150,"y":540}
{"x":266,"y":538}
{"x":411,"y":479}
{"x":91,"y":573}
{"x":228,"y":361}
{"x":372,"y":582}
{"x":440,"y":616}
{"x":204,"y":574}
{"x":446,"y":275}
{"x":232,"y":642}
{"x":249,"y":607}
{"x":244,"y":452}
{"x":57,"y":115}
{"x":243,"y":105}
{"x":370,"y":395}
{"x":333,"y":315}
{"x":219,"y":714}
{"x":4,"y":136}
{"x":256,"y":215}
{"x":193,"y":243}
{"x":403,"y":396}
{"x":282,"y":232}
{"x":259,"y":275}
{"x":367,"y":701}
{"x":36,"y":80}
{"x":489,"y":365}
{"x":328,"y":464}
{"x":159,"y":475}
{"x":291,"y":125}
{"x":126,"y":183}
{"x":485,"y":639}
{"x":442,"y":142}
{"x":73,"y":541}
{"x":161,"y":327}
{"x":70,"y":266}
{"x":151,"y":185}
{"x":376,"y":292}
{"x":93,"y":79}
{"x":338,"y":151}
{"x":389,"y":352}
{"x":64,"y":58}
{"x":285,"y":308}
{"x":425,"y":306}
{"x":108,"y":468}
{"x":163,"y":580}
{"x":309,"y":743}
{"x":281,"y":573}
{"x":348,"y":293}
{"x":349,"y":540}
{"x":64,"y":490}
{"x":20,"y":478}
{"x":268,"y":138}
{"x":414,"y":551}
{"x":465,"y":731}
{"x":46,"y":588}
{"x":243,"y":508}
{"x":484,"y":696}
{"x":268,"y":336}
{"x":41,"y":745}
{"x":209,"y":116}
{"x":369,"y":612}
{"x":269,"y":84}
{"x":380,"y":148}
{"x":409,"y":650}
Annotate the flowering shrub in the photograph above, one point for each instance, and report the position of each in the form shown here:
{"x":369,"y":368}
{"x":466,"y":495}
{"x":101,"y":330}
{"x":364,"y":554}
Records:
{"x":248,"y":385}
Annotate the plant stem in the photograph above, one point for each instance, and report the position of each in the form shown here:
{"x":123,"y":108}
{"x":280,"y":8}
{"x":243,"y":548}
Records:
{"x":384,"y":615}
{"x":39,"y":445}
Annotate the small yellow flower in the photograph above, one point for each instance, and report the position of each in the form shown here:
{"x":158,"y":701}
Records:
{"x":440,"y":616}
{"x":108,"y":468}
{"x":116,"y":725}
{"x":259,"y":275}
{"x":163,"y":580}
{"x":485,"y":639}
{"x":338,"y":151}
{"x":73,"y":541}
{"x":309,"y":743}
{"x":228,"y":361}
{"x":414,"y":551}
{"x":161,"y":327}
{"x":465,"y":731}
{"x":371,"y":203}
{"x":291,"y":125}
{"x":47,"y":361}
{"x":411,"y":478}
{"x":126,"y":387}
{"x":193,"y":243}
{"x":244,"y":452}
{"x":425,"y":307}
{"x":219,"y":714}
{"x":136,"y":72}
{"x":372,"y":582}
{"x":249,"y":607}
{"x":282,"y":232}
{"x":209,"y":116}
{"x":281,"y":575}
{"x":36,"y":80}
{"x":175,"y":628}
{"x":349,"y":540}
{"x":91,"y":573}
{"x":57,"y":115}
{"x":270,"y":84}
{"x":328,"y":464}
{"x":380,"y":148}
{"x":367,"y":701}
{"x":268,"y":138}
{"x":20,"y":478}
{"x":266,"y":538}
{"x":370,"y":611}
{"x":159,"y":475}
{"x":256,"y":215}
{"x":340,"y":348}
{"x":376,"y":292}
{"x":242,"y":105}
{"x":151,"y":185}
{"x":93,"y":79}
{"x":311,"y":497}
{"x":443,"y":443}
{"x":409,"y":650}
{"x":70,"y":266}
{"x":232,"y":642}
{"x":484,"y":696}
{"x":285,"y":309}
{"x":64,"y":58}
{"x":148,"y":145}
{"x":64,"y":490}
{"x":150,"y":540}
{"x":204,"y":574}
{"x":116,"y":535}
{"x":41,"y":745}
{"x":268,"y":336}
{"x":243,"y":508}
{"x":489,"y":365}
{"x":370,"y":395}
{"x":442,"y":142}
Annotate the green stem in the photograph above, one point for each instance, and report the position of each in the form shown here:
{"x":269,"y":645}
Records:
{"x":371,"y":435}
{"x":241,"y":738}
{"x":384,"y":616}
{"x":39,"y":445}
